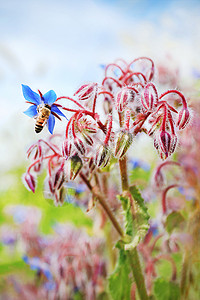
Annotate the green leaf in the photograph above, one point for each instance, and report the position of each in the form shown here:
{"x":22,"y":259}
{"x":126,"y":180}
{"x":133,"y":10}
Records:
{"x":165,"y":290}
{"x":119,"y":282}
{"x":173,"y":221}
{"x":136,"y":216}
{"x":128,"y":214}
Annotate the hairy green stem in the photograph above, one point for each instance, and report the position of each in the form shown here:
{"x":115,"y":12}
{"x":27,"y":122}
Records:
{"x":137,"y":273}
{"x":133,"y":254}
{"x":123,"y":172}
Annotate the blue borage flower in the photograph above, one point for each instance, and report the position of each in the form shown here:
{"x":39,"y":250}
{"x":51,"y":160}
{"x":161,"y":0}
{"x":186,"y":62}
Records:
{"x":36,"y":264}
{"x":36,"y":100}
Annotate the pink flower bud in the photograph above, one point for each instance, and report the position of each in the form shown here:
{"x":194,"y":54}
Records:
{"x":162,"y":143}
{"x":124,"y":141}
{"x":102,"y":156}
{"x":51,"y":188}
{"x":86,"y":91}
{"x":35,"y":150}
{"x":92,"y":164}
{"x":159,"y":179}
{"x":31,"y":182}
{"x":74,"y":165}
{"x":107,"y":105}
{"x":59,"y":179}
{"x":173,"y":144}
{"x":149,"y":97}
{"x":79,"y":145}
{"x":88,"y":126}
{"x":37,"y":167}
{"x":183,"y":118}
{"x":122,"y":98}
{"x":165,"y":142}
{"x":87,"y":139}
{"x":66,"y":148}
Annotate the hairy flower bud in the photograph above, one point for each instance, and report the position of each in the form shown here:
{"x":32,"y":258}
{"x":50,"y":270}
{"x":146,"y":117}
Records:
{"x":59,"y":179}
{"x":124,"y":141}
{"x":173,"y":144}
{"x":35,"y":150}
{"x":74,"y":165}
{"x":31,"y":181}
{"x":78,"y":143}
{"x":102,"y":156}
{"x":149,"y":97}
{"x":165,"y":142}
{"x":86,"y":91}
{"x":162,"y":143}
{"x":87,"y":139}
{"x":92,"y":164}
{"x":122,"y":98}
{"x":50,"y":184}
{"x":183,"y":118}
{"x":37,"y":167}
{"x":66,"y":148}
{"x":107,"y":105}
{"x":159,"y":179}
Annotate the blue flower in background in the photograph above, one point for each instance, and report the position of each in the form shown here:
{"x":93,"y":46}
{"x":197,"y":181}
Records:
{"x":36,"y":264}
{"x":38,"y":102}
{"x":137,"y":163}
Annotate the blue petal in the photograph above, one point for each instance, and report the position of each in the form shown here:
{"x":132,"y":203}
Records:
{"x":50,"y":97}
{"x":29,"y":95}
{"x":55,"y":109}
{"x":31,"y":111}
{"x":25,"y":259}
{"x":48,"y":274}
{"x":51,"y":123}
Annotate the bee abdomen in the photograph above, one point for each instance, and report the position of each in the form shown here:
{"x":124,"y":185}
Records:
{"x":38,"y":127}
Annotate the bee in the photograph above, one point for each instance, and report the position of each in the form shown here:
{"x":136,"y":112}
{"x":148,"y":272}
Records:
{"x":42,"y":117}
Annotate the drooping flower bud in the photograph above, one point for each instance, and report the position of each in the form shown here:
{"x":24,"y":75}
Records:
{"x":173,"y":144}
{"x":66,"y":148}
{"x":31,"y":181}
{"x":183,"y":118}
{"x":59,"y":179}
{"x":87,"y":126}
{"x":86,"y":91}
{"x":149,"y":97}
{"x":92,"y":164}
{"x":159,"y":179}
{"x":87,"y":139}
{"x":122,"y":98}
{"x":107,"y":105}
{"x":102,"y":156}
{"x":37,"y":167}
{"x":124,"y":141}
{"x":162,"y":143}
{"x":164,"y":140}
{"x":78,"y":143}
{"x":74,"y":165}
{"x":35,"y":150}
{"x":50,"y":185}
